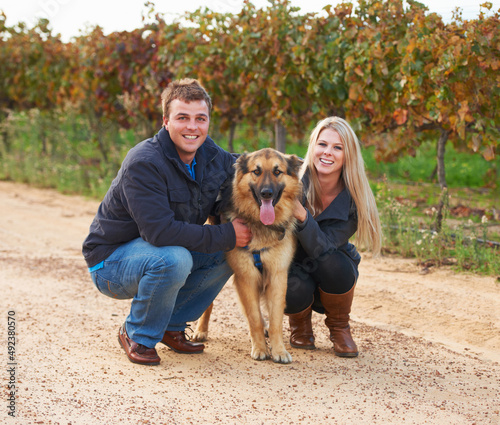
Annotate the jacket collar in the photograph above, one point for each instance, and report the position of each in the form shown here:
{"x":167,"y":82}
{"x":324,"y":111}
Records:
{"x":339,"y":208}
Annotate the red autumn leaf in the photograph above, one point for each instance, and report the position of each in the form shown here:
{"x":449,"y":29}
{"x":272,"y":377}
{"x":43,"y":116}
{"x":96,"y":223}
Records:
{"x":400,"y":116}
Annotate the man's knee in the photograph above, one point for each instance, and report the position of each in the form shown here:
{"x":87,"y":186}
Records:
{"x":174,"y":261}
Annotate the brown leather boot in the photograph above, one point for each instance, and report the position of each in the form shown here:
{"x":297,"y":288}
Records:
{"x":301,"y":333}
{"x":337,"y":309}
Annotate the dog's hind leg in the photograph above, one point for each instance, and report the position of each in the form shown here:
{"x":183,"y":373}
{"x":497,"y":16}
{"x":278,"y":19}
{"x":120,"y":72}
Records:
{"x":275,"y":298}
{"x":201,"y":332}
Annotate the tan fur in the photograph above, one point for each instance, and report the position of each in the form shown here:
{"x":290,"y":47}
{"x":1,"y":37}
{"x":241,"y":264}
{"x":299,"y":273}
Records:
{"x":277,"y":242}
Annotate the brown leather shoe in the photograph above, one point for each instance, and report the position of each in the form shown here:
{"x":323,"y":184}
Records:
{"x":178,"y":342}
{"x":137,"y":353}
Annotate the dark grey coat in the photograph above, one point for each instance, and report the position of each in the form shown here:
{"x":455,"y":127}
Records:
{"x":154,"y":197}
{"x":329,"y":231}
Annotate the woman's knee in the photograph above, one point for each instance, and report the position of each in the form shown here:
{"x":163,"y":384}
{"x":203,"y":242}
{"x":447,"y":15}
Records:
{"x":299,"y":295}
{"x":334,"y":273}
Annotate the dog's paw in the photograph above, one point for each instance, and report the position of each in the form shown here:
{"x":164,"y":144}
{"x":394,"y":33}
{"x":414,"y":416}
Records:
{"x":282,"y":357}
{"x":259,"y":354}
{"x":199,"y":336}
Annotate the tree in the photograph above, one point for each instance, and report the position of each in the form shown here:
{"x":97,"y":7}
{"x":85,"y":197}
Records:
{"x":394,"y":71}
{"x":117,"y":79}
{"x":409,"y":73}
{"x":455,"y":88}
{"x":371,"y":61}
{"x":115,"y":71}
{"x":271,"y":52}
{"x":322,"y":54}
{"x":34,"y":62}
{"x":213,"y":58}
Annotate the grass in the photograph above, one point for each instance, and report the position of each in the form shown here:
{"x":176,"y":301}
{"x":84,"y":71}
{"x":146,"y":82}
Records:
{"x":68,"y":155}
{"x":463,"y":170}
{"x":76,"y":156}
{"x":412,"y":231}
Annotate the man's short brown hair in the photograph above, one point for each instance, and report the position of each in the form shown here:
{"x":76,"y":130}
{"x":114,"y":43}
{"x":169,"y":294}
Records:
{"x":187,"y":90}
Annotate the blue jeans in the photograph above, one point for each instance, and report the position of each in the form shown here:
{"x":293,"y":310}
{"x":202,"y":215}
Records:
{"x":169,"y":286}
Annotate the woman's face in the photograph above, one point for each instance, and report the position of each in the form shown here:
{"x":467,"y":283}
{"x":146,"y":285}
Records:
{"x":328,"y":154}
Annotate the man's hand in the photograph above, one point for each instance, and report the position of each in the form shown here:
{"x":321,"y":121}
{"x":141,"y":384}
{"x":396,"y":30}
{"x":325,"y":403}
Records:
{"x":243,"y":233}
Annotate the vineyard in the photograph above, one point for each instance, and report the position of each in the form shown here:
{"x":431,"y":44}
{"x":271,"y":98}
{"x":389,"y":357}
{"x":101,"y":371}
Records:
{"x":420,"y":93}
{"x":400,"y":75}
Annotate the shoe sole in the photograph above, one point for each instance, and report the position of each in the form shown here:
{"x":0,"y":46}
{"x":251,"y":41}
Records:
{"x":346,"y":354}
{"x":181,"y":352}
{"x":304,"y":347}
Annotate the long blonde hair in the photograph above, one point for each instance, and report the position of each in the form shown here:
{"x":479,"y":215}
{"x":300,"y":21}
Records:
{"x":369,"y":233}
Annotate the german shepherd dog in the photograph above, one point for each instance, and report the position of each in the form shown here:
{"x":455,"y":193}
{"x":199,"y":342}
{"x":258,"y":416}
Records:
{"x":264,"y":190}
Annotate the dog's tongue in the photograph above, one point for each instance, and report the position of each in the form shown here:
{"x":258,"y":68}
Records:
{"x":267,"y":212}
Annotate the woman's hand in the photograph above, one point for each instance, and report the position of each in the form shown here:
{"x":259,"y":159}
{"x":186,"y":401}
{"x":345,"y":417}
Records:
{"x":299,"y":212}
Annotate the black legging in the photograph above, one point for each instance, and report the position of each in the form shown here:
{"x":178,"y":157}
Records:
{"x":333,"y":273}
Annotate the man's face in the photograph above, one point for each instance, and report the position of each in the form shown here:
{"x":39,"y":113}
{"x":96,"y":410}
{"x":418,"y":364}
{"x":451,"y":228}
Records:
{"x":188,"y":125}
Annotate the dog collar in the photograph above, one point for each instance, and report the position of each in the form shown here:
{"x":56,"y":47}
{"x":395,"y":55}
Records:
{"x":281,"y":229}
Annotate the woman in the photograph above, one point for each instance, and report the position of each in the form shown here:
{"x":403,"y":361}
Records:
{"x":338,"y":203}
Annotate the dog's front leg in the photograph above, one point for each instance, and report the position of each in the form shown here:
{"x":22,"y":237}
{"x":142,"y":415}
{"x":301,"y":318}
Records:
{"x":250,"y":302}
{"x":275,"y":297}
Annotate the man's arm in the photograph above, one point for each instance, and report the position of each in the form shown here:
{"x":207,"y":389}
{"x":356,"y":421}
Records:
{"x":145,"y":196}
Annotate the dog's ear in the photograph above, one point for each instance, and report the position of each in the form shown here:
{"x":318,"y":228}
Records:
{"x":293,"y":164}
{"x":241,"y":164}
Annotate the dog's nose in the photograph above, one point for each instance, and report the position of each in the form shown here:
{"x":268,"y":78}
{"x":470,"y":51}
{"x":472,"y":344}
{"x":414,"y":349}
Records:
{"x":266,"y":193}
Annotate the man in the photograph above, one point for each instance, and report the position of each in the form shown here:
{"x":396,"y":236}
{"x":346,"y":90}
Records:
{"x":148,"y":240}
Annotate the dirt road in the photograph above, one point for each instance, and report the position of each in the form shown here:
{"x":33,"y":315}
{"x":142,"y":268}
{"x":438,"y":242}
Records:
{"x":429,"y":344}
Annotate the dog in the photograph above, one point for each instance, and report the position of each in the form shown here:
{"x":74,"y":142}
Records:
{"x":264,"y":189}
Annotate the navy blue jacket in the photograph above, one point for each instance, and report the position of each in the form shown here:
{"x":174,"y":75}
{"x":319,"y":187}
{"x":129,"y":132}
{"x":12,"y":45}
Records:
{"x":154,"y":197}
